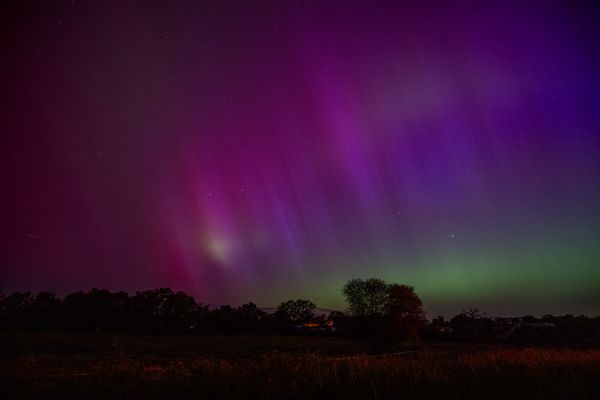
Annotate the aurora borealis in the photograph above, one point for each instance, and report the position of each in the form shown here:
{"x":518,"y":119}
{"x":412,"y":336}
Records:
{"x":262,"y":151}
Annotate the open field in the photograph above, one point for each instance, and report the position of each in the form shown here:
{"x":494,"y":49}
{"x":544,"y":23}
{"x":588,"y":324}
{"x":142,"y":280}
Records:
{"x":275,"y":367}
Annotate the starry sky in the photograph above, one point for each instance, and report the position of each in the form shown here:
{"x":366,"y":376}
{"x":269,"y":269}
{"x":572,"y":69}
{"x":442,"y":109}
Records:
{"x":268,"y":150}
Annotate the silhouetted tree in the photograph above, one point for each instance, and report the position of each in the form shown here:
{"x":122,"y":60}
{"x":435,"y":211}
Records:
{"x":474,"y":313}
{"x":366,"y":296}
{"x":382,"y":314}
{"x":98,"y":309}
{"x":46,"y":311}
{"x":162,"y":311}
{"x":248,"y":318}
{"x":438,"y":329}
{"x":222,"y":320}
{"x":571,"y":329}
{"x":404,"y":311}
{"x":19,"y":310}
{"x":551,"y":319}
{"x":78,"y":313}
{"x":176,"y":312}
{"x":296,"y":311}
{"x":472,"y":324}
{"x":438,"y":321}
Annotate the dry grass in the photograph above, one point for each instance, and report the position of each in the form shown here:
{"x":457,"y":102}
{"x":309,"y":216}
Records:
{"x":299,"y":368}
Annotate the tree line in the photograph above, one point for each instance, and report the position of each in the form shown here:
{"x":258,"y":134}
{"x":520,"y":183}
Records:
{"x":473,"y":325}
{"x":379,"y":314}
{"x":158,"y":311}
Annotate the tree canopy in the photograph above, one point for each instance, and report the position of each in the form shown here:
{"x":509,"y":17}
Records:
{"x":366,"y":296}
{"x":297,"y":311}
{"x":383,"y":313}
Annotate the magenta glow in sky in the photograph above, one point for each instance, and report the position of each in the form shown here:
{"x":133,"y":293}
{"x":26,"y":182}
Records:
{"x":261,"y":151}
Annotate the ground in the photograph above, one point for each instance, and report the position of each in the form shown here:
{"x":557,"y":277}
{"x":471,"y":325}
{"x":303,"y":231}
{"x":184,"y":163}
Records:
{"x":100,"y":365}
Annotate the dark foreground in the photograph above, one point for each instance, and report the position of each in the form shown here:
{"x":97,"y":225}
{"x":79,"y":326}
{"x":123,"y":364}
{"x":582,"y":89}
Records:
{"x":94,"y":366}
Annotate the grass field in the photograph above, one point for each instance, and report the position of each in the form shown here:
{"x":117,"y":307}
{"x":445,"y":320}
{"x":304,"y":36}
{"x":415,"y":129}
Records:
{"x":91,"y":366}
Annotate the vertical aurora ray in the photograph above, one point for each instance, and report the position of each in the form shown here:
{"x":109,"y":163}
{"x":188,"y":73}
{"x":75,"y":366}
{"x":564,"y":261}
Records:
{"x":267,"y":152}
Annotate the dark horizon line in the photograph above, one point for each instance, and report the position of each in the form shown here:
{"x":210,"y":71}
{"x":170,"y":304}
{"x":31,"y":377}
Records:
{"x":272,"y":309}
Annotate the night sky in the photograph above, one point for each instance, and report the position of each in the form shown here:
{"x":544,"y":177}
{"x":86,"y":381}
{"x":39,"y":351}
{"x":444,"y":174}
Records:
{"x":262,"y":151}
